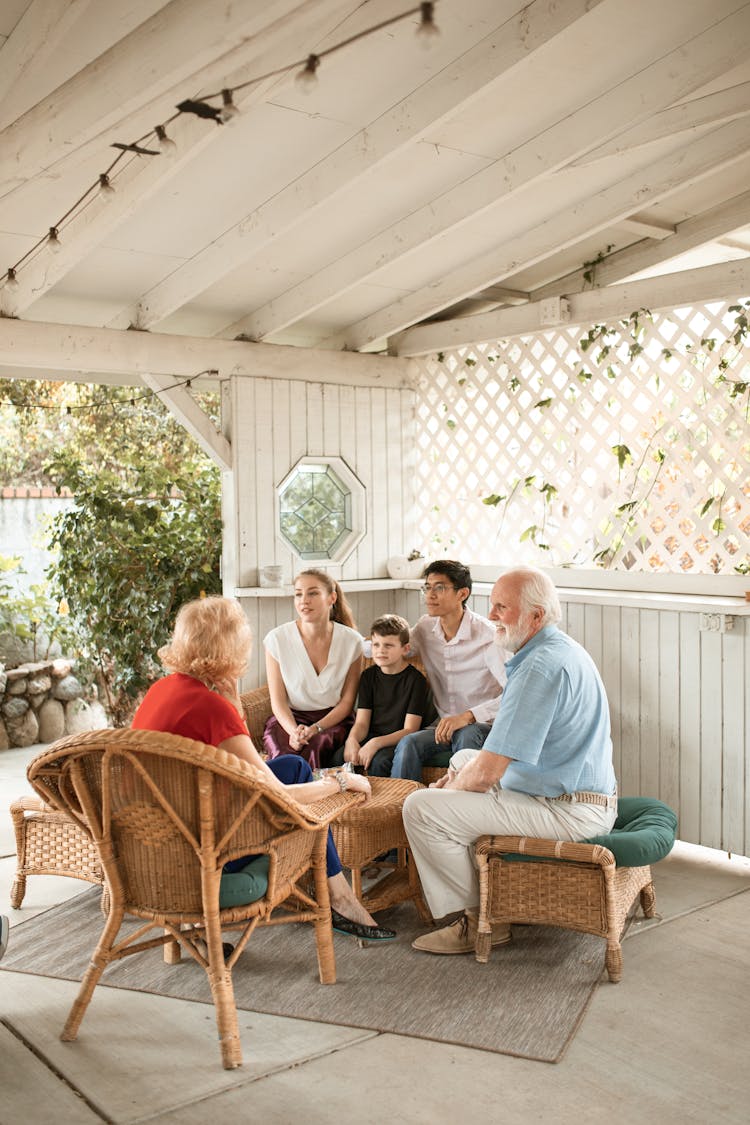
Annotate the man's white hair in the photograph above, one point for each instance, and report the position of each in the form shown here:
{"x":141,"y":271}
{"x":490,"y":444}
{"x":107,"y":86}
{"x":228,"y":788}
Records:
{"x":537,"y":591}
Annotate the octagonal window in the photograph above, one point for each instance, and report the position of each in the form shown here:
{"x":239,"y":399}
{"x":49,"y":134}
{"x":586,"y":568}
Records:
{"x":320,"y":506}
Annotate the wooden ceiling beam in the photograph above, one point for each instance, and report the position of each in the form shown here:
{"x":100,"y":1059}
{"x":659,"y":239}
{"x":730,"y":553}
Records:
{"x":685,"y":68}
{"x":34,"y":39}
{"x":705,"y":227}
{"x":690,"y":287}
{"x":438,"y":99}
{"x":607,"y":208}
{"x":178,"y":40}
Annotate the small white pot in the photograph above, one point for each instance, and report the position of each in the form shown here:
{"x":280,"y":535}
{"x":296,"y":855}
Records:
{"x":399,"y":566}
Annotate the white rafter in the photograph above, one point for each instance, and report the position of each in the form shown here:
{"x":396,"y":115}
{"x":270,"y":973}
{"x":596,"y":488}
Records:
{"x":439,"y":98}
{"x":144,"y":176}
{"x":685,"y":166}
{"x":686,"y":68}
{"x":702,"y":228}
{"x":34,"y":39}
{"x":712,"y":109}
{"x":165,"y":50}
{"x":188,"y":413}
{"x":711,"y":283}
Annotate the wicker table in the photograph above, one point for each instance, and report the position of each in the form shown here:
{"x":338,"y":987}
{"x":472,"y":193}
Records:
{"x":370,"y":830}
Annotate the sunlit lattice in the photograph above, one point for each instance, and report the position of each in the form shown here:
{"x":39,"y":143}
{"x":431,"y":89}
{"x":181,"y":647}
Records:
{"x":638,"y":463}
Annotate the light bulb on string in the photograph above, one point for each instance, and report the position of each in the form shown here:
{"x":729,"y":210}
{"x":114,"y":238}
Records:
{"x":53,"y":241}
{"x":167,"y":147}
{"x":228,"y":111}
{"x":428,"y":31}
{"x":307,"y":79}
{"x":106,"y":190}
{"x":9,"y":294}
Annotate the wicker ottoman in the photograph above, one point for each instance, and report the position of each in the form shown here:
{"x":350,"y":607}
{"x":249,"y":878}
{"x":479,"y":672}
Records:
{"x":590,"y":887}
{"x":370,"y":830}
{"x":49,"y":843}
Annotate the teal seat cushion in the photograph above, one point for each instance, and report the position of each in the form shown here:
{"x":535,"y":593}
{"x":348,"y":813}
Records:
{"x":250,"y":883}
{"x":439,"y":758}
{"x":643,"y":833}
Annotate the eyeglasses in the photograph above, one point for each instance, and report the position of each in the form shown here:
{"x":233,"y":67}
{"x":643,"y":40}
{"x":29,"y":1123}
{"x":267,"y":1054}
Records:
{"x":437,"y":588}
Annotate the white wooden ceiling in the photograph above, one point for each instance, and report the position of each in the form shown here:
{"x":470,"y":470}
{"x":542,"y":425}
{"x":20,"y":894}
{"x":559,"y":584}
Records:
{"x":409,"y":186}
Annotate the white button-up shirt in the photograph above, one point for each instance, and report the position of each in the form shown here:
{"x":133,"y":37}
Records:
{"x":466,"y":673}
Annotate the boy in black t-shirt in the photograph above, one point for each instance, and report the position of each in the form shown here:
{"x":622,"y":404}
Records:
{"x":394,"y":700}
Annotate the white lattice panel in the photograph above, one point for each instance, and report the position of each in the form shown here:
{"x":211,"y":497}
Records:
{"x":536,"y":421}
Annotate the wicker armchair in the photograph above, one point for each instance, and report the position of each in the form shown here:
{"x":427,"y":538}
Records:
{"x":49,"y":843}
{"x":165,"y":814}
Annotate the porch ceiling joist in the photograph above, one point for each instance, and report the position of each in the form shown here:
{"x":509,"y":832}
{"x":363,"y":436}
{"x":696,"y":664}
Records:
{"x":143,"y":178}
{"x":34,"y":39}
{"x":709,"y":110}
{"x":699,"y":230}
{"x":57,"y":348}
{"x":671,"y":76}
{"x":444,"y":95}
{"x":686,"y":165}
{"x":186,"y":410}
{"x":166,"y":49}
{"x":711,"y":283}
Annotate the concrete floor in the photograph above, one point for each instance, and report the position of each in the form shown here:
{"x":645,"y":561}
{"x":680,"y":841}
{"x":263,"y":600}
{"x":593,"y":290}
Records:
{"x":668,"y":1044}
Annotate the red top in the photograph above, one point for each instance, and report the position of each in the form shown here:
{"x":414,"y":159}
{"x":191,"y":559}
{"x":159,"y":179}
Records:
{"x":180,"y":704}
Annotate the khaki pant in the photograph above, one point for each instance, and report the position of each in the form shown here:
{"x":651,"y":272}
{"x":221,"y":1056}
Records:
{"x":442,"y":826}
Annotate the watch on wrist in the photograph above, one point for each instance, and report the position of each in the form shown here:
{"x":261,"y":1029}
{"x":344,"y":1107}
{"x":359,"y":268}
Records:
{"x":319,"y":728}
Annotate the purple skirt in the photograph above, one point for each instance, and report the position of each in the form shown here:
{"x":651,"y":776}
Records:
{"x":319,"y":750}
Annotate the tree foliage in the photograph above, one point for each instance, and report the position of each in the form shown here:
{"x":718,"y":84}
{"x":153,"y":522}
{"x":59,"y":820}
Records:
{"x":144,"y":533}
{"x":129,"y":553}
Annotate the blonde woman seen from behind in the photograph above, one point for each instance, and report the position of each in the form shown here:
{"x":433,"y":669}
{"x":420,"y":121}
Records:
{"x":206,"y":656}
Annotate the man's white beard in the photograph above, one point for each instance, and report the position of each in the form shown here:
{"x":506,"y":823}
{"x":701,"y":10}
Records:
{"x":513,"y":637}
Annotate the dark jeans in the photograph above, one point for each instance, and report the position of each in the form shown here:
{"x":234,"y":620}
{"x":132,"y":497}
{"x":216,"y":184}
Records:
{"x":290,"y":769}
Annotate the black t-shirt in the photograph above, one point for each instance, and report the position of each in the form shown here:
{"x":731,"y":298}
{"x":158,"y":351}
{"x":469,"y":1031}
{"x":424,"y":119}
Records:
{"x":392,"y":698}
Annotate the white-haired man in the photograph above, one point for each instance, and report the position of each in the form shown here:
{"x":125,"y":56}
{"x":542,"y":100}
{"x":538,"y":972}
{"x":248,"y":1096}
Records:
{"x":545,"y":769}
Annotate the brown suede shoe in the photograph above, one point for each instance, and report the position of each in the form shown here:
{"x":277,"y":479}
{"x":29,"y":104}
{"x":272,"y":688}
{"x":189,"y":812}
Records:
{"x":459,"y":937}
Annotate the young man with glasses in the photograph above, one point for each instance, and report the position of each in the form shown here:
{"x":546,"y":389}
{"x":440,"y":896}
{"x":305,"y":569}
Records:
{"x":464,"y":665}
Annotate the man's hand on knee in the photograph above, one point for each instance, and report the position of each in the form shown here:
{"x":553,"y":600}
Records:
{"x":449,"y":724}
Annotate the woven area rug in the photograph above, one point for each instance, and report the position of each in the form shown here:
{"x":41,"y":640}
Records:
{"x":527,"y":1000}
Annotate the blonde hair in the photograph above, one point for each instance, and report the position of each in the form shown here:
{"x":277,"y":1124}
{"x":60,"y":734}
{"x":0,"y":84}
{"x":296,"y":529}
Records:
{"x":211,"y":641}
{"x":341,"y":611}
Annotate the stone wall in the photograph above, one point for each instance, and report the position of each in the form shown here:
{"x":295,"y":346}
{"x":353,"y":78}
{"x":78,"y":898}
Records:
{"x":42,"y":701}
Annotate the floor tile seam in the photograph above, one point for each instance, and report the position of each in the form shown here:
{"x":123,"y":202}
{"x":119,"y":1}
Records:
{"x":635,"y":932}
{"x":249,"y":1080}
{"x":55,"y":1071}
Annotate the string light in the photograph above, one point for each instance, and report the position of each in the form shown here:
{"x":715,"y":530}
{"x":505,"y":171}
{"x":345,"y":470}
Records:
{"x":112,"y":404}
{"x":106,"y":190}
{"x":229,"y":110}
{"x":306,"y":79}
{"x":428,"y":31}
{"x":9,"y":294}
{"x":167,"y":147}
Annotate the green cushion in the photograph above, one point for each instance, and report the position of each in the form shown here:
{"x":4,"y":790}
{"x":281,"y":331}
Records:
{"x":643,"y":833}
{"x":439,"y":758}
{"x":247,"y":885}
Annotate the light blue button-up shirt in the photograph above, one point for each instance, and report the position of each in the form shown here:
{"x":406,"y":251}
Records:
{"x":554,"y":720}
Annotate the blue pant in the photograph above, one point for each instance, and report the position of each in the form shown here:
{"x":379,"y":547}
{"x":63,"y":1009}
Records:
{"x":415,"y":750}
{"x":290,"y":769}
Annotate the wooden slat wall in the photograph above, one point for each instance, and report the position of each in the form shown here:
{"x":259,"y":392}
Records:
{"x":679,"y":698}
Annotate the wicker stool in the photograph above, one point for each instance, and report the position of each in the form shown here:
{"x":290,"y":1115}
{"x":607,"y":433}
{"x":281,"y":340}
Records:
{"x":49,"y":843}
{"x":589,"y":887}
{"x":363,"y":833}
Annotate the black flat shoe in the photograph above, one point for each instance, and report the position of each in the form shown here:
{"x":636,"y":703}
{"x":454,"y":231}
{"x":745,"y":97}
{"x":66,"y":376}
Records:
{"x":344,"y":925}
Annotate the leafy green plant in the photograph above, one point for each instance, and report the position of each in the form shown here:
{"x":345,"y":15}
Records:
{"x":136,"y":545}
{"x":33,"y":615}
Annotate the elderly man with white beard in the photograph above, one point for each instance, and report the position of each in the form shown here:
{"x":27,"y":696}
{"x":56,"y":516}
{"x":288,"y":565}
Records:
{"x":545,"y":769}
